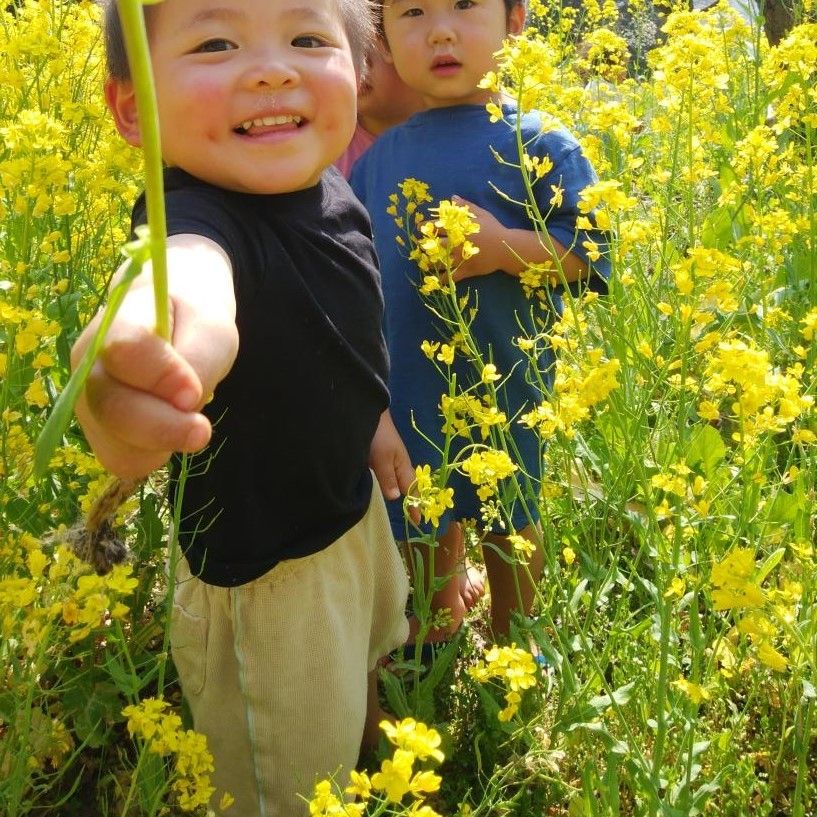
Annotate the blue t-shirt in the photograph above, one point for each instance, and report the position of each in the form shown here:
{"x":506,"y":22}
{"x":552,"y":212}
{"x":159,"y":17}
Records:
{"x":453,"y":151}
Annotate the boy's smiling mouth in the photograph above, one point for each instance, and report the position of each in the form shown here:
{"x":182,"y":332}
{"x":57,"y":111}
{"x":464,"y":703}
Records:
{"x":266,"y":124}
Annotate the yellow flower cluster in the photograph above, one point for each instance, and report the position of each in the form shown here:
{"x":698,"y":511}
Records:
{"x":413,"y":742}
{"x":576,"y":390}
{"x":527,"y":69}
{"x":464,"y":413}
{"x":443,"y":241}
{"x":766,"y":400}
{"x":163,"y":734}
{"x":736,"y":588}
{"x":514,"y":668}
{"x":66,"y":183}
{"x":790,"y":70}
{"x":431,"y":499}
{"x":605,"y":54}
{"x":486,"y":468}
{"x":57,"y":591}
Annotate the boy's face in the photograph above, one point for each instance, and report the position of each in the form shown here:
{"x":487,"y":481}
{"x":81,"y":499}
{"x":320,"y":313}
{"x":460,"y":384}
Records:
{"x":443,"y":48}
{"x":256,"y":96}
{"x":383,"y":98}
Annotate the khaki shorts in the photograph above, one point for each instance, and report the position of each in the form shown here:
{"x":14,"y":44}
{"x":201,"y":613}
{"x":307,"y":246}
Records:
{"x":275,"y":671}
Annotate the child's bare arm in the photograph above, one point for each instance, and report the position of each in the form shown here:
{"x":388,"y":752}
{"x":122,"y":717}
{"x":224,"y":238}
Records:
{"x":512,"y":249}
{"x":143,"y":399}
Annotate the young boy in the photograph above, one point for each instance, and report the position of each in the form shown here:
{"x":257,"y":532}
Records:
{"x":383,"y":101}
{"x":292,"y":587}
{"x":441,"y":49}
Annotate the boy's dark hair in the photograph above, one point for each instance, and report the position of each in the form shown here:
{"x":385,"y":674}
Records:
{"x":357,"y":15}
{"x":510,"y":5}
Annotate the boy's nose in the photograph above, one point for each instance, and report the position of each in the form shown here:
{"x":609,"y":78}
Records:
{"x":270,"y":70}
{"x":441,"y":31}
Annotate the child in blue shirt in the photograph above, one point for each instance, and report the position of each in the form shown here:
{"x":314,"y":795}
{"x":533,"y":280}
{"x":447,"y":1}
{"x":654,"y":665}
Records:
{"x":442,"y":49}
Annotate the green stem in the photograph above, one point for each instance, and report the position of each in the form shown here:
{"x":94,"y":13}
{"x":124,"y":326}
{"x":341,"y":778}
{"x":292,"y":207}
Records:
{"x":136,"y":45}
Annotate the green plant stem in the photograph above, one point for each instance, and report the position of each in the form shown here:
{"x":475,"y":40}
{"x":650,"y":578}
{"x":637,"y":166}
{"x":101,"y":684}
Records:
{"x":172,"y":563}
{"x":136,"y":45}
{"x":802,"y":740}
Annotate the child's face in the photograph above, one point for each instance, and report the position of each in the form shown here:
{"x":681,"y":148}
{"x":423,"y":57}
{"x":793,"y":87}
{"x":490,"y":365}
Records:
{"x":383,"y":99}
{"x":443,"y":48}
{"x":256,"y":96}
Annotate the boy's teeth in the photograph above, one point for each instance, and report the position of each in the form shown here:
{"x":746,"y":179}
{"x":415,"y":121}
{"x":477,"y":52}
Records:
{"x":268,"y":121}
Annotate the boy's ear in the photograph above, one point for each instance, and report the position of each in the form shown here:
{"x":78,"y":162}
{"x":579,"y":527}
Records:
{"x":121,"y":98}
{"x":516,"y":19}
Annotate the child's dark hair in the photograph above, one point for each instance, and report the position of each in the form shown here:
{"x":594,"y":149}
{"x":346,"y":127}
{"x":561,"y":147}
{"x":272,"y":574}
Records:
{"x":510,"y":5}
{"x":358,"y":18}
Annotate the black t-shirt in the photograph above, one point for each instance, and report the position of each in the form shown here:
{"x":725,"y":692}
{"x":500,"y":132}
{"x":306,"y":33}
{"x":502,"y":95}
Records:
{"x":294,"y":418}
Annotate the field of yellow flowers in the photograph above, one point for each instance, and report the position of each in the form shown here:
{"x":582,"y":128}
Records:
{"x":678,"y":612}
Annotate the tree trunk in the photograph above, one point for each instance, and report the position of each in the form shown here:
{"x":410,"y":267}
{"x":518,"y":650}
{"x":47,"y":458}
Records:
{"x":778,"y":19}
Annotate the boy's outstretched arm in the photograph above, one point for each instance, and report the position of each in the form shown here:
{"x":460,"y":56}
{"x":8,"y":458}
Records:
{"x":143,"y":398}
{"x":501,"y":248}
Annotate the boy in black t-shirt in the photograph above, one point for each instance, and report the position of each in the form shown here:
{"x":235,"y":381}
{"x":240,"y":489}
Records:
{"x":292,"y":587}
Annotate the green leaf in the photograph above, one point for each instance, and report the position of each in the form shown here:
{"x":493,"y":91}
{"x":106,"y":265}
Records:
{"x":706,"y":449}
{"x":769,"y":564}
{"x":785,"y":508}
{"x":54,"y":429}
{"x":621,"y":696}
{"x":93,"y":709}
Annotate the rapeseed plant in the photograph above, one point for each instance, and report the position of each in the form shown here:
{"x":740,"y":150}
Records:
{"x":678,"y":435}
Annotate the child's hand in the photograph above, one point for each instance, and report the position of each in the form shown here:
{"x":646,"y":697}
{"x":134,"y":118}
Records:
{"x":512,"y":249}
{"x":143,"y":397}
{"x":491,"y":240}
{"x":389,"y":460}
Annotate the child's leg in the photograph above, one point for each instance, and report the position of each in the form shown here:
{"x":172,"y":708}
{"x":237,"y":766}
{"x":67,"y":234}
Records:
{"x":471,"y":578}
{"x":282,"y":693}
{"x":509,"y":583}
{"x":446,"y":559}
{"x":374,"y":715}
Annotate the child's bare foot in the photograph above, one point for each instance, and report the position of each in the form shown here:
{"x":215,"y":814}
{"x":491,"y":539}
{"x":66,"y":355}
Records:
{"x":472,"y":584}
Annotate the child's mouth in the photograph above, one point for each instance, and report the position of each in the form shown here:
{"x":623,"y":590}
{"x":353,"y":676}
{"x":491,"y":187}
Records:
{"x":267,"y":124}
{"x":444,"y":65}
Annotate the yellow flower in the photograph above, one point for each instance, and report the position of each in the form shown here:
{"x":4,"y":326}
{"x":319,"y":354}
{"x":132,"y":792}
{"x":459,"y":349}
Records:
{"x":769,"y":656}
{"x":414,"y":736}
{"x":732,"y":580}
{"x":394,"y":777}
{"x":490,"y":374}
{"x":359,"y":785}
{"x":524,"y":547}
{"x":695,"y":692}
{"x":429,"y":349}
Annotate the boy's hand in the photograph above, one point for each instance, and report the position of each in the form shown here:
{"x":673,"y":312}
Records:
{"x":143,"y":397}
{"x":389,"y":460}
{"x":491,"y":240}
{"x":512,"y":249}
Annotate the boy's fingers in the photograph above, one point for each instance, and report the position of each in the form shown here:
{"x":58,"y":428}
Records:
{"x":135,"y":357}
{"x":141,"y":420}
{"x":388,"y":482}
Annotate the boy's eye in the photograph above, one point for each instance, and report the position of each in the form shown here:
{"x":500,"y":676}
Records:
{"x":214,"y":45}
{"x":309,"y":41}
{"x":464,"y":4}
{"x":415,"y":12}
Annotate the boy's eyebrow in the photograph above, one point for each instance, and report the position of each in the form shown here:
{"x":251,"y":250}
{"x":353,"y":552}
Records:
{"x":216,"y":13}
{"x":227,"y":13}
